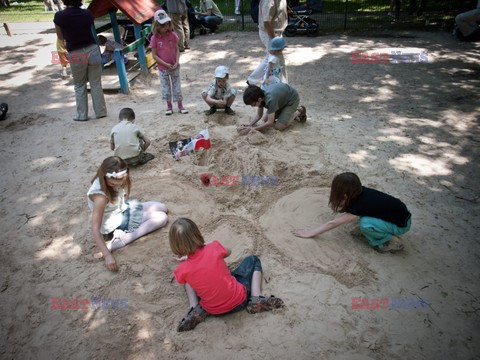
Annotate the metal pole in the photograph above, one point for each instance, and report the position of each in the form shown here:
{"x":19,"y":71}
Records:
{"x":345,"y":18}
{"x":241,"y":11}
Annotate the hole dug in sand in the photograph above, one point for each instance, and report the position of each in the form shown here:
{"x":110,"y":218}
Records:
{"x":331,"y":253}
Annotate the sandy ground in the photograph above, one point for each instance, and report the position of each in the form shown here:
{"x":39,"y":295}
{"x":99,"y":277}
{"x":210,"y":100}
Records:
{"x":407,"y":129}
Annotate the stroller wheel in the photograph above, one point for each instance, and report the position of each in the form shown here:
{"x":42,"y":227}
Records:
{"x":192,"y":34}
{"x":203,"y":31}
{"x":290,"y":30}
{"x":312,"y":30}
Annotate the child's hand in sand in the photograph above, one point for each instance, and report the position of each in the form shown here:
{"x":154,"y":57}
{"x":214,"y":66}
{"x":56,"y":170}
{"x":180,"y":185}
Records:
{"x":111,"y":263}
{"x":303,"y":233}
{"x":244,"y":129}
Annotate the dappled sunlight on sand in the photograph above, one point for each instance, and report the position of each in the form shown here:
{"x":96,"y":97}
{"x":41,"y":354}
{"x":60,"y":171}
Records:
{"x":394,"y":134}
{"x":96,"y":323}
{"x":461,"y":121}
{"x":421,"y":165}
{"x":383,"y":94}
{"x":60,"y":248}
{"x":47,"y":160}
{"x":40,"y":198}
{"x":300,"y":56}
{"x":361,"y":157}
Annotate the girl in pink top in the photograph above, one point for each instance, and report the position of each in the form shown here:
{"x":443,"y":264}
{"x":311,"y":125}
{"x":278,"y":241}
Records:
{"x":164,"y":44}
{"x":205,"y":273}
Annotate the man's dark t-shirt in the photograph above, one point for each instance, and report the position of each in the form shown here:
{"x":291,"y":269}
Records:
{"x":76,"y":27}
{"x":379,"y":205}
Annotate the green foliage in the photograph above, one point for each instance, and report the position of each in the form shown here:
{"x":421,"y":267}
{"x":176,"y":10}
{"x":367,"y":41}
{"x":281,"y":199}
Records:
{"x":34,"y":10}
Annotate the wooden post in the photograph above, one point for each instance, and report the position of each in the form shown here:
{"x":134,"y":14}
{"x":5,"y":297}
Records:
{"x":122,"y":72}
{"x":115,"y":29}
{"x":141,"y":49}
{"x":7,"y":29}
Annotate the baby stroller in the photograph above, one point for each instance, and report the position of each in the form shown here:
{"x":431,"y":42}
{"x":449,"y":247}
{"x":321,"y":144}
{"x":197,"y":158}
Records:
{"x":194,"y":22}
{"x":299,"y":21}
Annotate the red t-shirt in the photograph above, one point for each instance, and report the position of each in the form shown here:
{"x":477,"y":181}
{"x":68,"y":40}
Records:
{"x":207,"y":273}
{"x":165,"y":47}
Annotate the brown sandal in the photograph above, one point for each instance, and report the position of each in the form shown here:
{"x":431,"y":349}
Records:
{"x":262,"y":303}
{"x":194,"y":317}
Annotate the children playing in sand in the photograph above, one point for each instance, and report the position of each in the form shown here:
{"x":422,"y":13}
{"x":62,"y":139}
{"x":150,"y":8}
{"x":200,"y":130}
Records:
{"x":110,"y":46}
{"x":113,"y":213}
{"x":164,"y":44}
{"x":275,"y":71}
{"x":381,"y":216}
{"x":220,"y":94}
{"x":206,"y":276}
{"x":128,"y":141}
{"x":280,"y":100}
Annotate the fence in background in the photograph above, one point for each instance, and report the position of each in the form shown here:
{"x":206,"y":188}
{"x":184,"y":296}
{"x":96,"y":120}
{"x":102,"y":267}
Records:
{"x":344,"y":15}
{"x":334,"y":15}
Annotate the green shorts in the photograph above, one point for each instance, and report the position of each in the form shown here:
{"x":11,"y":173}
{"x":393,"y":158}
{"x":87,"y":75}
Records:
{"x":286,"y":115}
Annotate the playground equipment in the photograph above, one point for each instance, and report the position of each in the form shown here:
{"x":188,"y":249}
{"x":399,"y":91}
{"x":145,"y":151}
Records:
{"x":139,"y":12}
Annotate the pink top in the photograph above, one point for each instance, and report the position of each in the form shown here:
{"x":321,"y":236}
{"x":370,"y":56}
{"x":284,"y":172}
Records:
{"x":207,"y":273}
{"x":165,"y":47}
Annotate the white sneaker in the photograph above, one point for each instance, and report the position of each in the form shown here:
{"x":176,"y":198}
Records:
{"x":116,"y":242}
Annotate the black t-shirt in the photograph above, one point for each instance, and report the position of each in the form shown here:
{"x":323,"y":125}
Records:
{"x":76,"y":26}
{"x":379,"y":205}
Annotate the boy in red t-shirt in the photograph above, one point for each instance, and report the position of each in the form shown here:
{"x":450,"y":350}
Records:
{"x":206,"y":274}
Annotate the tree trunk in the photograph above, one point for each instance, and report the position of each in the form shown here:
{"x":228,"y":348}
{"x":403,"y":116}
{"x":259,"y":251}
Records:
{"x":7,"y":29}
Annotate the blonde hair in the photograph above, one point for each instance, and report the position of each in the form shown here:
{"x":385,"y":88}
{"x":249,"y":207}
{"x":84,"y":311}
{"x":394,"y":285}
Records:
{"x":112,"y":164}
{"x":157,"y":25}
{"x":184,"y":237}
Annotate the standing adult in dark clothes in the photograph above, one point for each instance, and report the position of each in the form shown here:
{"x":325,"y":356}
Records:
{"x":73,"y":25}
{"x":413,"y":7}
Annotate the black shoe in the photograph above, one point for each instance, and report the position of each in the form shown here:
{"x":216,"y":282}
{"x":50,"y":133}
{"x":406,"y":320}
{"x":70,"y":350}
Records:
{"x":229,"y":111}
{"x":146,"y":158}
{"x":212,"y":110}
